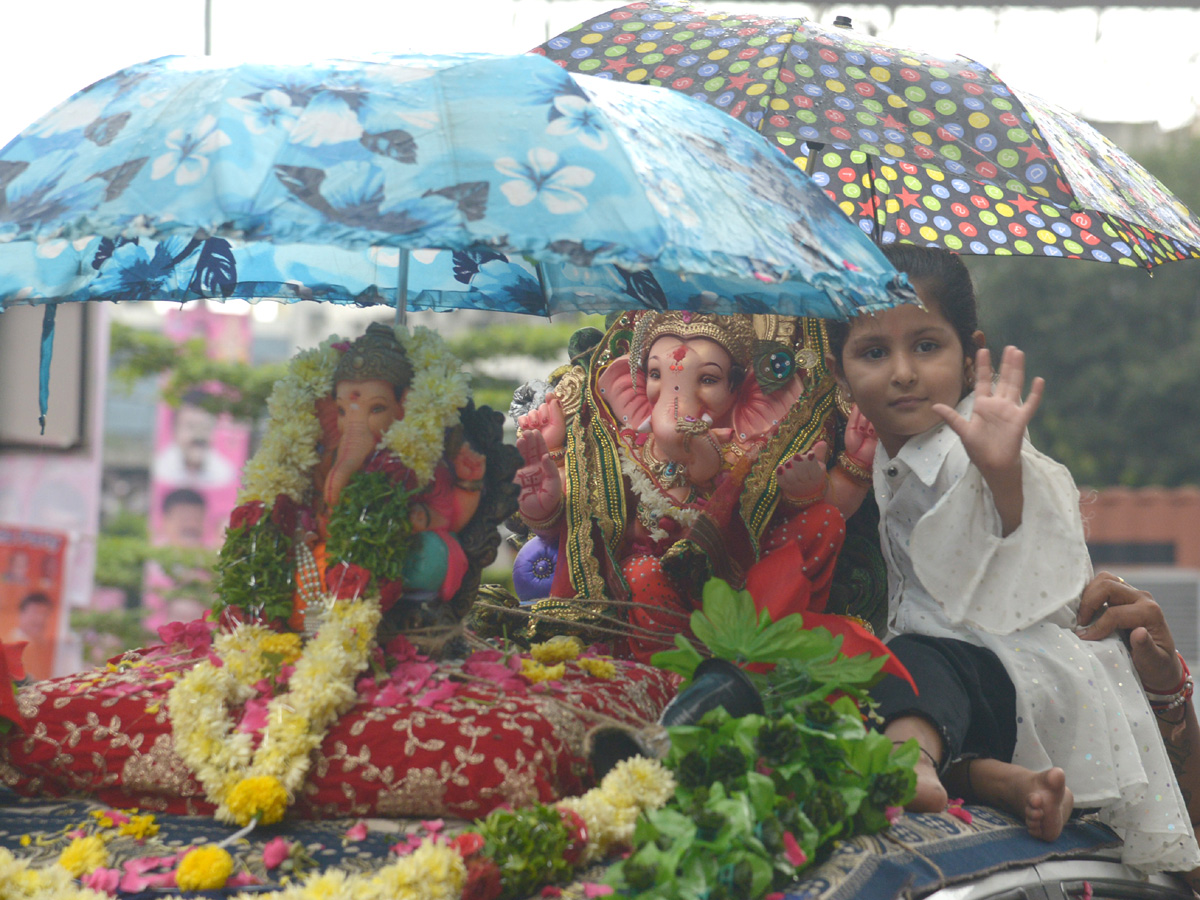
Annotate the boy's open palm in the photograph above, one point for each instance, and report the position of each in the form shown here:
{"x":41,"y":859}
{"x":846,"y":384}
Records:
{"x":992,"y":436}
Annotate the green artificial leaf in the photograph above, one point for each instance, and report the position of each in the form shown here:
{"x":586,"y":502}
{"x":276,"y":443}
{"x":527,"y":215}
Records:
{"x":905,"y":756}
{"x":682,"y":660}
{"x":721,"y":622}
{"x":739,"y":815}
{"x":761,"y":874}
{"x":760,"y":789}
{"x":853,"y":796}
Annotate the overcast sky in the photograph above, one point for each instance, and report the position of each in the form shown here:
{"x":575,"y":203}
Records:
{"x":1121,"y":64}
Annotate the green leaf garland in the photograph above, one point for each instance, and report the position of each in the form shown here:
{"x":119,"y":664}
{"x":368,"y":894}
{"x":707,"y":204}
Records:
{"x":369,"y":526}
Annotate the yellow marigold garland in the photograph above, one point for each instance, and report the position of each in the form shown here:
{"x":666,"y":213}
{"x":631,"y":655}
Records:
{"x":320,"y":689}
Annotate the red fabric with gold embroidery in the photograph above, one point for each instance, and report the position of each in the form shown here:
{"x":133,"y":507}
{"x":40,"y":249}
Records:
{"x":799,"y":556}
{"x":457,"y":751}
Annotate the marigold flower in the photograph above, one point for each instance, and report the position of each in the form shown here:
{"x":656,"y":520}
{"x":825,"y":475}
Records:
{"x":83,"y":855}
{"x":259,"y":797}
{"x":535,"y":672}
{"x":558,"y":649}
{"x":139,"y":827}
{"x":597,"y":667}
{"x":647,"y":781}
{"x":204,"y":869}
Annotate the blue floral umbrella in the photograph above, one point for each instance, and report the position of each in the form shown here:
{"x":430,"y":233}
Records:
{"x":418,"y":182}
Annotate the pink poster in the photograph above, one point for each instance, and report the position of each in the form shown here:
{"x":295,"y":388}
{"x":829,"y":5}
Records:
{"x":198,"y":458}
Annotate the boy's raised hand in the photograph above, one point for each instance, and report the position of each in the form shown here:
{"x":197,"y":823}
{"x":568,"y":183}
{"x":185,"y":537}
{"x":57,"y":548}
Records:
{"x":992,"y":436}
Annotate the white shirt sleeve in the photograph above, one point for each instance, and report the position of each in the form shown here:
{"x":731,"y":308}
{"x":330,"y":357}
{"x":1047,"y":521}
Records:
{"x":996,"y":584}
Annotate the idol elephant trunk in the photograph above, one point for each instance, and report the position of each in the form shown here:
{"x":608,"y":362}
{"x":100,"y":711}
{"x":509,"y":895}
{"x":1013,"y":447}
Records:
{"x":681,"y":435}
{"x":356,"y":444}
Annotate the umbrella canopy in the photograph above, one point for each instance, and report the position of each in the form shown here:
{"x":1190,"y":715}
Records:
{"x":911,"y":146}
{"x":183,"y":178}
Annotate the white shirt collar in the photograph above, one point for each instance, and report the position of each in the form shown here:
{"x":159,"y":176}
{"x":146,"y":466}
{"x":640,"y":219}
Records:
{"x":924,"y":454}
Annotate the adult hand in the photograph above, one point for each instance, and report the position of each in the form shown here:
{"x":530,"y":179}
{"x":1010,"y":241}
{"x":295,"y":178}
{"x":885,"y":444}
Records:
{"x":1108,"y":605}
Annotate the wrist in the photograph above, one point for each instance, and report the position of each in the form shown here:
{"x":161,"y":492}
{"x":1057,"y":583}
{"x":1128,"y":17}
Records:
{"x":854,"y":469}
{"x":806,"y":501}
{"x":546,"y":522}
{"x":1162,"y":701}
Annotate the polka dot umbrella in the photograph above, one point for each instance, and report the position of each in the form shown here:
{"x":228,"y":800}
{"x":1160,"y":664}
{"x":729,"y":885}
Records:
{"x":913,"y":147}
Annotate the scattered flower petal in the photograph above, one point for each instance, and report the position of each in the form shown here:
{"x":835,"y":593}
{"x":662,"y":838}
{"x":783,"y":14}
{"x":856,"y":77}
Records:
{"x":275,"y":851}
{"x":792,"y":852}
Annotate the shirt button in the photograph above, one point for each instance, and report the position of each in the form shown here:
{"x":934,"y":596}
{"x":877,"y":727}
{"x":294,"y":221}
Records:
{"x":892,"y":471}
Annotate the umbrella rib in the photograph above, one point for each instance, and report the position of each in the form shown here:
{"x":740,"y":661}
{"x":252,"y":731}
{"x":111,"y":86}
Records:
{"x":544,"y":284}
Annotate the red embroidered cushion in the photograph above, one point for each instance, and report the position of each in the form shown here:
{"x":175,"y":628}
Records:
{"x":107,"y":734}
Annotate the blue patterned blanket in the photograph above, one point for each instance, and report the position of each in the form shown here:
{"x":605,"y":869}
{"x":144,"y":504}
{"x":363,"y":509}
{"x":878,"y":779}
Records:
{"x":919,"y":854}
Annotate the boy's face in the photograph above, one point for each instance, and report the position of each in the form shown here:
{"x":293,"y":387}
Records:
{"x":897,"y":364}
{"x":183,"y":525}
{"x":33,"y":619}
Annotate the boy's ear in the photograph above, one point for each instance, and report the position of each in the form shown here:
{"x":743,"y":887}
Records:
{"x":835,"y":369}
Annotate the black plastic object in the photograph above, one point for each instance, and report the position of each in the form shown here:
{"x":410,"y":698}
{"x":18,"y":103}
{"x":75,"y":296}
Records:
{"x":610,"y":745}
{"x":716,"y":682}
{"x":842,"y":22}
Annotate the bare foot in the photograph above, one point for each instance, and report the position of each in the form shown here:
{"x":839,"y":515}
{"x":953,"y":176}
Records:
{"x":931,"y":794}
{"x":1048,"y":804}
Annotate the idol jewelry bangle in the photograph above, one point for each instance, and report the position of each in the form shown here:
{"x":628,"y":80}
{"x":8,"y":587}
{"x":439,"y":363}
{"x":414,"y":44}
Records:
{"x":855,"y":472}
{"x":803,"y":502}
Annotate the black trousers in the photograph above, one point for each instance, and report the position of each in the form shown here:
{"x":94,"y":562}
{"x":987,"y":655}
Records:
{"x":965,"y":693}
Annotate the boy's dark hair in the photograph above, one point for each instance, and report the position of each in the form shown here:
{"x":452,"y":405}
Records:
{"x":35,"y":598}
{"x":183,"y":497}
{"x":943,"y":279}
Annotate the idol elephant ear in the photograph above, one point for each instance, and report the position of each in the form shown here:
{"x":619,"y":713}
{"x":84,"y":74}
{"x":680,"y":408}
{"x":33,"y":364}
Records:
{"x":628,"y":401}
{"x":758,"y":414}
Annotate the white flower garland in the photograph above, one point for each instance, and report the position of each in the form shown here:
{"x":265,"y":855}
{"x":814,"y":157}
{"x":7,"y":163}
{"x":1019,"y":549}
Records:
{"x":284,"y":461}
{"x":439,"y":390}
{"x":654,"y":500}
{"x":434,"y":871}
{"x":320,"y":689}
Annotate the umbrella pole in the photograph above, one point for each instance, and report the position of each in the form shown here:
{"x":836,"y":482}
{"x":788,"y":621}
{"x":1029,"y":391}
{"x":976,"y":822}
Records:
{"x":402,"y":291}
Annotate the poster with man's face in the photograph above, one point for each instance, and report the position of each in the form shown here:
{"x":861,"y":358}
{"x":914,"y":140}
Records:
{"x":31,"y":583}
{"x":196,"y":469}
